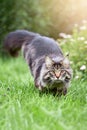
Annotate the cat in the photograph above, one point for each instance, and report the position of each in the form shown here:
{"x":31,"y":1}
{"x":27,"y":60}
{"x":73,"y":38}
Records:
{"x":49,"y":67}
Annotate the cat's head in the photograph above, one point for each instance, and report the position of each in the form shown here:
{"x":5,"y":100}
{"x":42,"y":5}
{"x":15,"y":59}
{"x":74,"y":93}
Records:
{"x":58,"y":69}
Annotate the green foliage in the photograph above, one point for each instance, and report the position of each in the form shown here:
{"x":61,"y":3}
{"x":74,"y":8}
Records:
{"x":7,"y":17}
{"x":30,"y":16}
{"x":24,"y":14}
{"x":76,"y":45}
{"x":48,"y":17}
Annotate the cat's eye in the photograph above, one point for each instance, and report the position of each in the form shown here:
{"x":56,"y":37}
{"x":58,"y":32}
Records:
{"x":67,"y":78}
{"x":46,"y":77}
{"x":60,"y":64}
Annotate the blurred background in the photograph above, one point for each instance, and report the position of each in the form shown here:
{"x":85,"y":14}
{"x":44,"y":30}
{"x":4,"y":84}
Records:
{"x":65,"y":19}
{"x":48,"y":17}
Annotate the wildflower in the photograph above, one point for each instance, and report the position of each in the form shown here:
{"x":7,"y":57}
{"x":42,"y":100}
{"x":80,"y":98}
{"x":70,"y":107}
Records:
{"x":69,"y":36}
{"x":84,"y":21}
{"x":85,"y":42}
{"x":83,"y":67}
{"x":76,"y":77}
{"x":76,"y":25}
{"x":72,"y":40}
{"x":83,"y":28}
{"x":81,"y":38}
{"x":63,"y":35}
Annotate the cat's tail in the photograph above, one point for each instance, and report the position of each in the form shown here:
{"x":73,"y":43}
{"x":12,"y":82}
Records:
{"x":14,"y":41}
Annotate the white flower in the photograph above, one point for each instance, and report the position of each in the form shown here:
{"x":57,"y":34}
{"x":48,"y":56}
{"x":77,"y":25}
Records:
{"x":72,"y":40}
{"x":76,"y":77}
{"x":69,"y":36}
{"x":83,"y":28}
{"x":81,"y":38}
{"x":83,"y":67}
{"x":63,"y":35}
{"x":76,"y":25}
{"x":84,"y":21}
{"x":85,"y":42}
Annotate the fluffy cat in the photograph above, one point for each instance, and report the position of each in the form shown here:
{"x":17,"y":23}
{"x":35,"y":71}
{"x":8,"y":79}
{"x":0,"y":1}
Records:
{"x":49,"y":67}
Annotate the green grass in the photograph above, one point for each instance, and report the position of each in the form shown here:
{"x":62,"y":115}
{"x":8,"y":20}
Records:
{"x":22,"y":107}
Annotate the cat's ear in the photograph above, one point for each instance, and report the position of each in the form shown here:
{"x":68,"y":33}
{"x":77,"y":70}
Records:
{"x":67,"y":55}
{"x":66,"y":61}
{"x":48,"y":62}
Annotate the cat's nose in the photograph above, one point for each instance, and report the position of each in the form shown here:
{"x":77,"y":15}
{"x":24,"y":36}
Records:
{"x":57,"y":74}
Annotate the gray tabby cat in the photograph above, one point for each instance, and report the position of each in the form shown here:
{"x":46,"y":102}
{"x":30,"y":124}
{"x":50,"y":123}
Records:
{"x":49,"y":67}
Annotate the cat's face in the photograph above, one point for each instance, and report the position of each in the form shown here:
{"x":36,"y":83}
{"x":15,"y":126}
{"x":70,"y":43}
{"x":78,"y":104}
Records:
{"x":57,"y":71}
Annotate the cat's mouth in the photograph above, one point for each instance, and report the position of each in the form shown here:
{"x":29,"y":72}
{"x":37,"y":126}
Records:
{"x":58,"y":81}
{"x":55,"y":81}
{"x":55,"y":84}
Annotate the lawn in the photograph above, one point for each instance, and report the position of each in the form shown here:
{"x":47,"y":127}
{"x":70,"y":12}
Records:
{"x":22,"y":107}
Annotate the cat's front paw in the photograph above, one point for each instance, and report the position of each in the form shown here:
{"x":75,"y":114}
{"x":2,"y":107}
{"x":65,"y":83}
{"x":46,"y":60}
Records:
{"x":39,"y":86}
{"x":62,"y":91}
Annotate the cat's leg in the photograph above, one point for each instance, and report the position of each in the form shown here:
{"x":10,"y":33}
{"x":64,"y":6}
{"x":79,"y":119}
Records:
{"x":59,"y":91}
{"x":64,"y":92}
{"x":38,"y":85}
{"x":65,"y":88}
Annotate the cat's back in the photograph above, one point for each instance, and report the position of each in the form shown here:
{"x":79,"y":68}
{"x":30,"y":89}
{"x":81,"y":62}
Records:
{"x":44,"y":45}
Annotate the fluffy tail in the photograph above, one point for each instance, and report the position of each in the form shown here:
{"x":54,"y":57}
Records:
{"x":14,"y":41}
